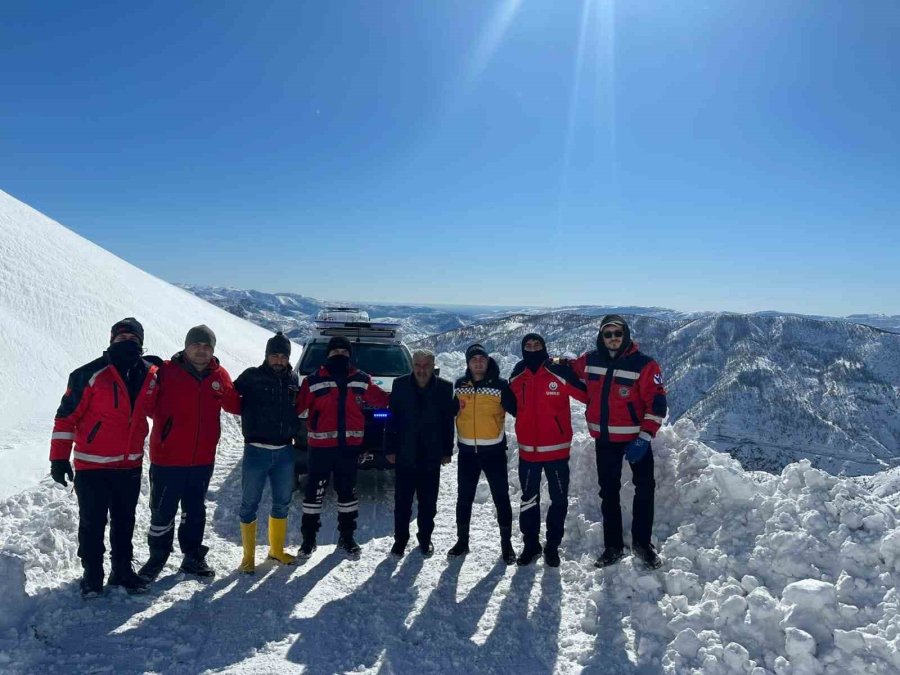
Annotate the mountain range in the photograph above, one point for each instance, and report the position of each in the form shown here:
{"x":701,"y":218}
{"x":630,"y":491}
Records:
{"x":770,"y":388}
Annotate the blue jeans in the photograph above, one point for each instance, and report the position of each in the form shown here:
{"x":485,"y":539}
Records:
{"x":259,"y":464}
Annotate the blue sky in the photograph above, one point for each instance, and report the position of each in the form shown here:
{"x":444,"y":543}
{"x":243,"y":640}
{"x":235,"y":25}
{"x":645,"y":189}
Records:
{"x":722,"y":155}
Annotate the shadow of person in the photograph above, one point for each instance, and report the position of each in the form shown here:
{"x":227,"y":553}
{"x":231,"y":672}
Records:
{"x":218,"y":624}
{"x":610,"y":653}
{"x":445,"y":622}
{"x":351,"y":632}
{"x":523,"y":642}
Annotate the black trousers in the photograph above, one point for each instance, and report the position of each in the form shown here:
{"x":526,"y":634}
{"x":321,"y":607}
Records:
{"x":323,"y":464}
{"x":102,"y":492}
{"x":423,"y":485}
{"x":470,"y":466}
{"x":171,"y":487}
{"x":557,"y":473}
{"x":609,"y":475}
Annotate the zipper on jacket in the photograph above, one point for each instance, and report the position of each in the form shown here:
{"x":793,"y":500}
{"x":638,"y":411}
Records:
{"x":199,"y":412}
{"x":604,"y":405}
{"x":342,"y":413}
{"x":90,"y":438}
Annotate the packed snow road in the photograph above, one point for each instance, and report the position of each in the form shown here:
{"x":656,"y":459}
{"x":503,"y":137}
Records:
{"x":783,"y":574}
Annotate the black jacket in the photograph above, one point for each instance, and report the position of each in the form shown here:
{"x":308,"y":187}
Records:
{"x":420,"y":431}
{"x":268,"y":415}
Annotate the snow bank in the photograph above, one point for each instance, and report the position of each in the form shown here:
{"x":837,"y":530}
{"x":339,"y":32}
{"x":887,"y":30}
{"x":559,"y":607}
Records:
{"x":793,"y":573}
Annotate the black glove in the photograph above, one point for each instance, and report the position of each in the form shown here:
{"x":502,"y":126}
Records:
{"x":59,"y":469}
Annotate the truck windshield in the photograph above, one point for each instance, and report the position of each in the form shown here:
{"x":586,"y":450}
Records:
{"x":374,"y":359}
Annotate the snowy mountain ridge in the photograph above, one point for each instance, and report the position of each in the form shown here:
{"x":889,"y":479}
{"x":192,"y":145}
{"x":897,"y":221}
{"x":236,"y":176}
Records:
{"x":768,"y":390}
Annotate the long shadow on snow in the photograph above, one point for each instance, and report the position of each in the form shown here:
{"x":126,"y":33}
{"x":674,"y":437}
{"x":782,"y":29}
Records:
{"x":447,"y":625}
{"x":374,"y":488}
{"x":92,"y":636}
{"x":352,"y":632}
{"x":235,"y":617}
{"x":610,"y":654}
{"x":532,"y":643}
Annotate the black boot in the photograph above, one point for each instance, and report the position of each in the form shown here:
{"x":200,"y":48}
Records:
{"x":507,"y":552}
{"x":530,"y":553}
{"x":551,"y":555}
{"x":611,"y":556}
{"x":461,"y":547}
{"x":647,"y":553}
{"x":348,"y":544}
{"x":399,"y":547}
{"x":92,"y":581}
{"x":307,"y":546}
{"x":195,"y":563}
{"x":153,"y":566}
{"x":123,"y":575}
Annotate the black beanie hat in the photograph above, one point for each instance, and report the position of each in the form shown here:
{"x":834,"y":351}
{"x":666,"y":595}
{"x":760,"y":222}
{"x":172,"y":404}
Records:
{"x":278,"y":344}
{"x":475,"y":350}
{"x":201,"y":333}
{"x":338,"y":342}
{"x":534,"y":336}
{"x":128,"y":325}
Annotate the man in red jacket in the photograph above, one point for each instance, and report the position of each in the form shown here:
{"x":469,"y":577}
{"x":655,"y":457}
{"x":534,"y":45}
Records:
{"x":104,"y":413}
{"x":194,"y":389}
{"x":334,"y":397}
{"x":626,"y":406}
{"x":541,"y":391}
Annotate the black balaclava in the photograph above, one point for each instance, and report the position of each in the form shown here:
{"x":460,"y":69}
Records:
{"x":338,"y":365}
{"x":124,"y":354}
{"x":614,"y":321}
{"x":534,"y":360}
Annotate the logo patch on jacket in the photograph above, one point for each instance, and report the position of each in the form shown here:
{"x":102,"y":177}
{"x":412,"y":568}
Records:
{"x":657,"y":378}
{"x":624,"y":392}
{"x":216,"y":385}
{"x":553,"y":386}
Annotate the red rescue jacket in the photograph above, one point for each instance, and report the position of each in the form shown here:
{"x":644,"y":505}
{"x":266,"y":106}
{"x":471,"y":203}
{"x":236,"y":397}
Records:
{"x":543,"y":413}
{"x":186,"y":418}
{"x":96,"y":415}
{"x":336,"y":412}
{"x":626,"y":394}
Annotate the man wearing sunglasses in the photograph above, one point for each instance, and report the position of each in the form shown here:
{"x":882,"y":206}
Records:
{"x":626,"y":406}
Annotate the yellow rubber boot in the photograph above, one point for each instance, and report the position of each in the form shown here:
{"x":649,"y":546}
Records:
{"x":248,"y":539}
{"x":277,"y":534}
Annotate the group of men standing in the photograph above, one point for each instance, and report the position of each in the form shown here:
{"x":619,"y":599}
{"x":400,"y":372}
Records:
{"x":626,"y":404}
{"x":107,"y":403}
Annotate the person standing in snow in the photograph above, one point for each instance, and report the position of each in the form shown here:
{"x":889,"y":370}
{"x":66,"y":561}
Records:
{"x":334,"y":397}
{"x":103,"y":412}
{"x":420,"y":435}
{"x":542,"y":390}
{"x":626,"y":406}
{"x":482,"y":396}
{"x":194,"y":389}
{"x":269,"y":421}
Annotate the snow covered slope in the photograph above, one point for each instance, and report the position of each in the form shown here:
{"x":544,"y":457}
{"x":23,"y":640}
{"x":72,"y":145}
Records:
{"x":59,"y":295}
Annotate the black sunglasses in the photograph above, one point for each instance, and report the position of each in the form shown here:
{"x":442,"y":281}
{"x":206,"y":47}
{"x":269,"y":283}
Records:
{"x":613,"y":334}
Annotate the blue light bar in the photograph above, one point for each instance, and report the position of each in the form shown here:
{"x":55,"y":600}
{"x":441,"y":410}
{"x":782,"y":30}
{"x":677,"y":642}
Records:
{"x":382,"y":414}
